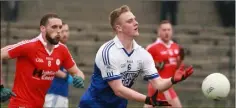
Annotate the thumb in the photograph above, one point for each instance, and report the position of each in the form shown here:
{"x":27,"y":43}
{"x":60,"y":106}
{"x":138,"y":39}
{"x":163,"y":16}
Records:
{"x":13,"y":94}
{"x":190,"y":68}
{"x":155,"y":94}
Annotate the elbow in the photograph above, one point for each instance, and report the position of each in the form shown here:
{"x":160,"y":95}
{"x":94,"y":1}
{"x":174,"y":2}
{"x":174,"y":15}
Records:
{"x":118,"y":91}
{"x":4,"y":53}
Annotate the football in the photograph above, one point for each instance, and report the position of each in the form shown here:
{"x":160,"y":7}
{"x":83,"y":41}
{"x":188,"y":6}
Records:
{"x":216,"y":86}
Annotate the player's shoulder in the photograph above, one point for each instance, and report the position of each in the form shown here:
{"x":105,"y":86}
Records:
{"x":106,"y":51}
{"x":30,"y":43}
{"x":62,"y":46}
{"x":176,"y":45}
{"x":33,"y":41}
{"x":153,"y":45}
{"x":151,"y":48}
{"x":107,"y":46}
{"x":108,"y":43}
{"x":142,"y":52}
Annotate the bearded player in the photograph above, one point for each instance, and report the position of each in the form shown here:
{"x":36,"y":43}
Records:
{"x":37,"y":62}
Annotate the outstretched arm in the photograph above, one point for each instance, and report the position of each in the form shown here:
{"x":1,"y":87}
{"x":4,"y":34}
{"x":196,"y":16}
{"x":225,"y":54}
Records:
{"x":125,"y":92}
{"x":5,"y":93}
{"x":161,"y":84}
{"x":4,"y":55}
{"x":130,"y":94}
{"x":74,"y":71}
{"x":71,"y":67}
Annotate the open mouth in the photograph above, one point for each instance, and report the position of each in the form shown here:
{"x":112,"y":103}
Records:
{"x":136,"y":29}
{"x":57,"y":38}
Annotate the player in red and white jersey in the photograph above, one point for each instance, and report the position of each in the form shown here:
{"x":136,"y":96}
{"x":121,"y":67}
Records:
{"x":37,"y":62}
{"x":168,"y":57}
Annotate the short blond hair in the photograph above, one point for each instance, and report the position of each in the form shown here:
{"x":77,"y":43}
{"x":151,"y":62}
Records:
{"x":116,"y":14}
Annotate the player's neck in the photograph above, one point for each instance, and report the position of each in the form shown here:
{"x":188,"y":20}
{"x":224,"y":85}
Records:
{"x":49,"y":46}
{"x":165,"y":42}
{"x":127,"y":42}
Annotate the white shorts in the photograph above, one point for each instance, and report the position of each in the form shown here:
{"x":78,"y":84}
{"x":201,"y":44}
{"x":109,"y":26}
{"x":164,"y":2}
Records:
{"x":52,"y":100}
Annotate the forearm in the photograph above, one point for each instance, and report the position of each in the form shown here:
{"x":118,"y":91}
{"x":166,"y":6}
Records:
{"x":161,"y":84}
{"x":60,"y":74}
{"x":76,"y":71}
{"x":130,"y":94}
{"x":4,"y":55}
{"x":80,"y":73}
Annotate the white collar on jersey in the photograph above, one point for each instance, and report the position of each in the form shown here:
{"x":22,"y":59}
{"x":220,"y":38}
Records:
{"x":40,"y":37}
{"x":119,"y":44}
{"x":167,"y":45}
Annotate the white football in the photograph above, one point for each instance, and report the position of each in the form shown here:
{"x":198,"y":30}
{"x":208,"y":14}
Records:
{"x":216,"y":86}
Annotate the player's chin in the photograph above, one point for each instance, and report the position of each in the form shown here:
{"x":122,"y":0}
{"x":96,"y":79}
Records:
{"x":136,"y":34}
{"x":63,"y":41}
{"x":55,"y":41}
{"x":166,"y":39}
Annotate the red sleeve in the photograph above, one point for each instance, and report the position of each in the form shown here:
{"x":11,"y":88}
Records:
{"x":154,"y":52}
{"x":68,"y":60}
{"x":19,"y":49}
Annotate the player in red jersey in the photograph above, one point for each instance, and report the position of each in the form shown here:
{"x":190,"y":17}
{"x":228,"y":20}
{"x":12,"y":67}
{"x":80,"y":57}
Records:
{"x":168,"y":57}
{"x":37,"y":61}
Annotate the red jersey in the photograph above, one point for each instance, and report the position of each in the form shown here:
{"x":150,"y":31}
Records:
{"x":35,"y":70}
{"x":162,"y":52}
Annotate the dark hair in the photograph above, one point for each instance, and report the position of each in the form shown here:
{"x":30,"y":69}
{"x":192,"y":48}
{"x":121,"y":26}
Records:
{"x":44,"y":19}
{"x":63,"y":23}
{"x":165,"y":22}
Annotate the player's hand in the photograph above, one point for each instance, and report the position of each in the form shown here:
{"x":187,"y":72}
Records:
{"x":6,"y":94}
{"x":181,"y":74}
{"x":78,"y":82}
{"x":152,"y":101}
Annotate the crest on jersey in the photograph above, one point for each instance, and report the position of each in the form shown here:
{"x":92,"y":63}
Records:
{"x":163,"y":52}
{"x":176,"y":51}
{"x":170,"y":52}
{"x":58,"y":62}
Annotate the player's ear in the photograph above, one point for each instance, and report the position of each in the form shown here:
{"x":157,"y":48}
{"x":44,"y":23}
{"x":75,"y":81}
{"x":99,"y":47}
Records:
{"x":42,"y":28}
{"x":118,"y":28}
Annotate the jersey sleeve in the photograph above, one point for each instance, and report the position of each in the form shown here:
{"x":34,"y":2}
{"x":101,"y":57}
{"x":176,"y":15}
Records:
{"x":149,"y":69}
{"x":108,"y":65}
{"x":19,"y":49}
{"x":68,"y":61}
